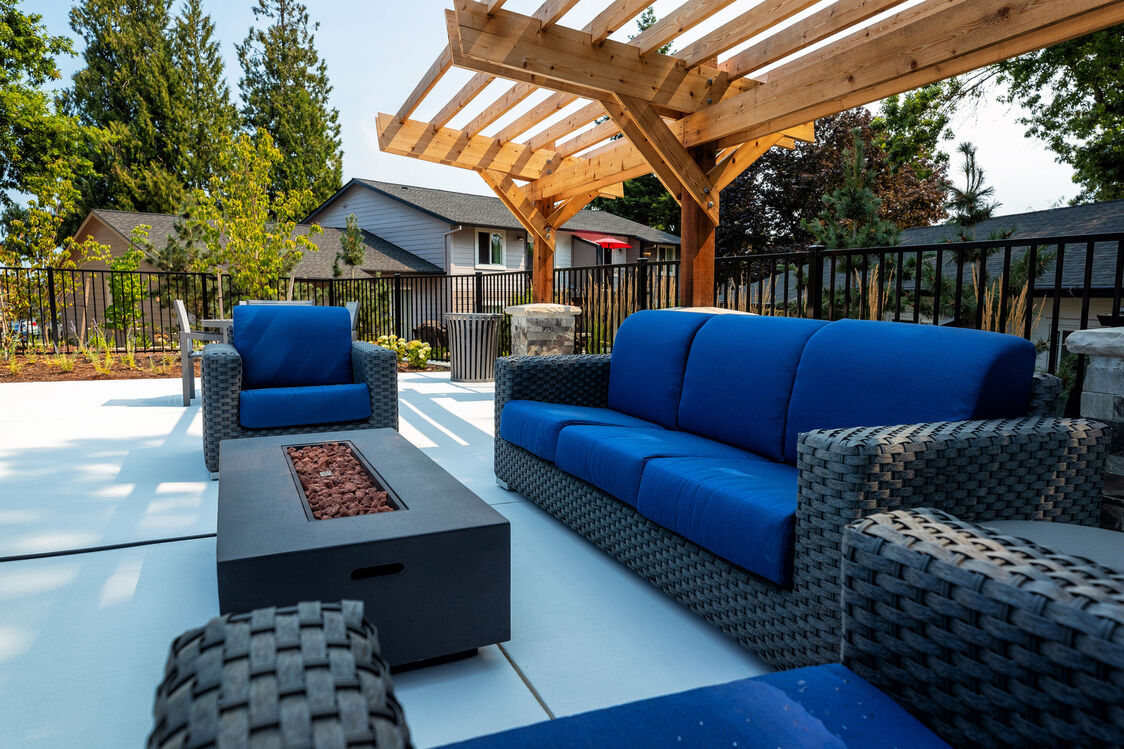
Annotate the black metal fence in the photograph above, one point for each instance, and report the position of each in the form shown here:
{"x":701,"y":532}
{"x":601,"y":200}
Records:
{"x":1041,"y":289}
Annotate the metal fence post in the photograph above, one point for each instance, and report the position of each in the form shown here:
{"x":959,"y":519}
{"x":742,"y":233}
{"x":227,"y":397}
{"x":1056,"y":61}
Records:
{"x":398,"y":305}
{"x":478,"y":293}
{"x":206,"y":297}
{"x":332,"y":292}
{"x":815,"y":280}
{"x":641,"y":283}
{"x":51,"y":305}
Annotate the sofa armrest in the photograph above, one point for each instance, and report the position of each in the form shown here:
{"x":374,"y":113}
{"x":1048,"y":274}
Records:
{"x":1036,"y":468}
{"x":378,"y":368}
{"x":222,"y":382}
{"x":988,"y":639}
{"x":1045,"y":389}
{"x":574,"y":379}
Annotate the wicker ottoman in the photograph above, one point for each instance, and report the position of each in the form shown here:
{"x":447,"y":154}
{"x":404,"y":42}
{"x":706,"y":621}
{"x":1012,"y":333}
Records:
{"x":301,"y":676}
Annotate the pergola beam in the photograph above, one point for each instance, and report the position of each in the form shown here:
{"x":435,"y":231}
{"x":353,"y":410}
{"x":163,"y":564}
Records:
{"x":568,"y":60}
{"x":749,"y":24}
{"x":664,"y":153}
{"x":683,"y":18}
{"x":531,"y":217}
{"x":963,"y":36}
{"x":457,"y":148}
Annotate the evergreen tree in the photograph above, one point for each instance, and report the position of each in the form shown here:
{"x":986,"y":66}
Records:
{"x":128,"y":88}
{"x":285,"y":88}
{"x":972,"y":204}
{"x":850,"y":216}
{"x":208,"y":116}
{"x":352,"y":250}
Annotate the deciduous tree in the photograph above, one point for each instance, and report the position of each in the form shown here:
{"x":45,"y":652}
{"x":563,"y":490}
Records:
{"x":1074,"y":95}
{"x":246,"y":231}
{"x":35,"y":136}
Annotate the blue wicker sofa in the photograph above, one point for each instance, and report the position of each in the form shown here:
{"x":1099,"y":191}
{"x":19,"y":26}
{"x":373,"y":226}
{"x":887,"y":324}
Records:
{"x":290,"y":370}
{"x":720,"y":456}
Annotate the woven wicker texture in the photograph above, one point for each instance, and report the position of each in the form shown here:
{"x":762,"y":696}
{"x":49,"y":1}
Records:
{"x":222,"y":381}
{"x":988,"y":639}
{"x":301,"y":676}
{"x":1032,"y":468}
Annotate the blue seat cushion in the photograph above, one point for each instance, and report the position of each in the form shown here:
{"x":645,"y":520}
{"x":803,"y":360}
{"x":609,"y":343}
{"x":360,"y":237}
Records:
{"x":613,"y":458}
{"x":862,"y":373}
{"x":649,"y":355}
{"x":293,"y":346}
{"x":819,"y":706}
{"x":739,"y":379}
{"x":535,"y":426}
{"x":290,"y":407}
{"x":741,"y":510}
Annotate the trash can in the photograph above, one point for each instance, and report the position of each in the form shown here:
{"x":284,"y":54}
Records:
{"x":473,"y":345}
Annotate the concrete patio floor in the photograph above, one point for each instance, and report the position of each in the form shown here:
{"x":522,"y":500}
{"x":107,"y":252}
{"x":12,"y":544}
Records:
{"x":107,"y":552}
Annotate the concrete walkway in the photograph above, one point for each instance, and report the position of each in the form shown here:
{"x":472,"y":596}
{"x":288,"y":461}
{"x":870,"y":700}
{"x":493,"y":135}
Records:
{"x":107,"y":552}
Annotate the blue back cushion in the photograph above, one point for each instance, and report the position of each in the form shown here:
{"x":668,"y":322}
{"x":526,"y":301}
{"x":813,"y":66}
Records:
{"x":649,"y":356}
{"x":861,"y":373}
{"x":822,"y":706}
{"x":283,"y":346}
{"x":739,"y":379}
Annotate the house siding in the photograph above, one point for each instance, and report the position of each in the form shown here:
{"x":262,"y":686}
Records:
{"x":464,"y":251}
{"x":407,"y":227}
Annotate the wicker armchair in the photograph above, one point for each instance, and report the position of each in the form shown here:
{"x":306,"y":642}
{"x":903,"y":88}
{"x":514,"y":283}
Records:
{"x":1038,"y":467}
{"x":989,"y":640}
{"x":222,"y":383}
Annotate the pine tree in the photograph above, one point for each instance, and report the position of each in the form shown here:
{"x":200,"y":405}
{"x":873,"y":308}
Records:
{"x":128,"y":89}
{"x":285,"y":88}
{"x":850,"y":216}
{"x":971,"y":205}
{"x":209,"y":118}
{"x":352,"y":250}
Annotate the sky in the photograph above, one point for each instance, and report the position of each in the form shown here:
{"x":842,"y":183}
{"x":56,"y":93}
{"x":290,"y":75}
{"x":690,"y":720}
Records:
{"x":377,"y":50}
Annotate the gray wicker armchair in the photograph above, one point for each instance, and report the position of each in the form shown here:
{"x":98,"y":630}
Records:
{"x":1038,"y":467}
{"x":987,"y":639}
{"x":222,"y":382}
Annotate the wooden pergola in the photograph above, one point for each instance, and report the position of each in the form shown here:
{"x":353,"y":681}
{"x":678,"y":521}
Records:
{"x":695,"y":122}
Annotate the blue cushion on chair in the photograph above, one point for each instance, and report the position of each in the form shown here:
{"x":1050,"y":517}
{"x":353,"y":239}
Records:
{"x":535,"y":426}
{"x":649,"y":356}
{"x":820,"y":706}
{"x":283,"y":346}
{"x":613,"y":458}
{"x":743,"y":511}
{"x":739,"y":379}
{"x":290,"y":407}
{"x":862,"y":373}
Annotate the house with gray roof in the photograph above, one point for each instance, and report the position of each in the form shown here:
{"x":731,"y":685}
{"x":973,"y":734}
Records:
{"x":464,"y":233}
{"x":113,"y":228}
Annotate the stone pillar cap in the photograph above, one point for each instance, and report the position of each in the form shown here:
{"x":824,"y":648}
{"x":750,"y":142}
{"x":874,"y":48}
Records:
{"x":543,"y":310}
{"x":1097,"y":342}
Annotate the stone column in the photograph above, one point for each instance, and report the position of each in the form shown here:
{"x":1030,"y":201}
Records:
{"x":542,"y":329}
{"x":1103,"y":399}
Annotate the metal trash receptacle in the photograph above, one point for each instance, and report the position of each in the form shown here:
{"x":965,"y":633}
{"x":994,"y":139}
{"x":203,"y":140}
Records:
{"x":473,"y":345}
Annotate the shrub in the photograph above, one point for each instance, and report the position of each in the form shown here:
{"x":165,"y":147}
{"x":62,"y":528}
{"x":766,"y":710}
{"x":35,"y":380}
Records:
{"x":414,"y":353}
{"x":65,"y":363}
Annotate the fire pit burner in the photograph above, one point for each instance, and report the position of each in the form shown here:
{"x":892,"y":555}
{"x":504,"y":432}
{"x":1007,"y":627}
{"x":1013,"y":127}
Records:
{"x":335,"y":483}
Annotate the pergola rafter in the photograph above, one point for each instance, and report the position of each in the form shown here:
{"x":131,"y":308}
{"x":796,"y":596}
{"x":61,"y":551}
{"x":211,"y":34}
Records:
{"x":693,"y":120}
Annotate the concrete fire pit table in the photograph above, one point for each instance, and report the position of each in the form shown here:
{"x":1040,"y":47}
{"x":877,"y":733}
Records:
{"x":434,"y":574}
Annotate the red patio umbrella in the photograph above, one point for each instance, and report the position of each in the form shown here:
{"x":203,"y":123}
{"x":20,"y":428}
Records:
{"x":609,"y":243}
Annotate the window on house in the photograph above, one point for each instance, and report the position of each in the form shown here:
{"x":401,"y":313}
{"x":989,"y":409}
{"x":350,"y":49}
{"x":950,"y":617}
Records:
{"x":490,"y":246}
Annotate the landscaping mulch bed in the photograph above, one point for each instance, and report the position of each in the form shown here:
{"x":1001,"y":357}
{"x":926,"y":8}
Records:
{"x":49,"y":368}
{"x":335,"y":483}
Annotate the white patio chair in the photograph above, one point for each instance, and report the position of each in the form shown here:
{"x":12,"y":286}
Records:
{"x":188,"y":354}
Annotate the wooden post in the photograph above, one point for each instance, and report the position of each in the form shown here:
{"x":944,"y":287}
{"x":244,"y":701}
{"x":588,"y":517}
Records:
{"x":542,"y":265}
{"x":697,"y":235}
